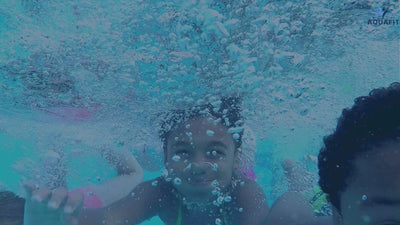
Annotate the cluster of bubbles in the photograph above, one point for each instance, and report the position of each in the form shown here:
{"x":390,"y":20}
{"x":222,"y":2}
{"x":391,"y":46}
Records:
{"x":150,"y":50}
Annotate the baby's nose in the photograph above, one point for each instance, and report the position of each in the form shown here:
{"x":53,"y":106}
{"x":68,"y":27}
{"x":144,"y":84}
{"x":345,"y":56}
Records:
{"x":198,"y":168}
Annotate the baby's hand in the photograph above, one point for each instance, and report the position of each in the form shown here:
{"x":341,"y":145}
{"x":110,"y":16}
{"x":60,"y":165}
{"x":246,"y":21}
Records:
{"x":46,"y":207}
{"x":299,"y":179}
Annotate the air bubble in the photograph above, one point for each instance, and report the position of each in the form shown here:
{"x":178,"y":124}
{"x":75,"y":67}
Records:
{"x":176,"y":158}
{"x":233,"y":130}
{"x":220,"y":199}
{"x":215,"y":203}
{"x":216,"y":191}
{"x":164,"y":173}
{"x":216,"y":104}
{"x":217,"y":121}
{"x":188,"y":167}
{"x":200,"y":102}
{"x":227,"y":123}
{"x":215,"y":183}
{"x":215,"y":167}
{"x":177,"y":181}
{"x":210,"y":133}
{"x":239,"y":123}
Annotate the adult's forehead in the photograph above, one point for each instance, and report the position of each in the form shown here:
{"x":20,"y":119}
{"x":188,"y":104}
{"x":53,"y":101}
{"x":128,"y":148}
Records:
{"x":383,"y":154}
{"x":380,"y":165}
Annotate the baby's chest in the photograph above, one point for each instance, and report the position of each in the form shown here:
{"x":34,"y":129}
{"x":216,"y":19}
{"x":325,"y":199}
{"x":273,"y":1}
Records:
{"x":206,"y":217}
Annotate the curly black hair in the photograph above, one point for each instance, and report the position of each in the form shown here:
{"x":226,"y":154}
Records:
{"x":227,"y":110}
{"x":373,"y":120}
{"x":11,"y":208}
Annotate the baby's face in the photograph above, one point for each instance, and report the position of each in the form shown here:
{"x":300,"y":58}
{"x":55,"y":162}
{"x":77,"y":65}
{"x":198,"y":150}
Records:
{"x":200,"y":159}
{"x":373,"y":194}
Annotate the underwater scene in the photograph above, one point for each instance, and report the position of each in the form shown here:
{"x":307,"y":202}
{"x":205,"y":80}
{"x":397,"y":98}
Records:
{"x":85,"y":85}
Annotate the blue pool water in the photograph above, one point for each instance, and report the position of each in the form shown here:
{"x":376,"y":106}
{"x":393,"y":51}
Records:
{"x":76,"y":76}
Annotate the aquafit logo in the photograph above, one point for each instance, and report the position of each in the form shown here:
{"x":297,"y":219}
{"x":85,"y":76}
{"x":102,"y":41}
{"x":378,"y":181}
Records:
{"x":383,"y":16}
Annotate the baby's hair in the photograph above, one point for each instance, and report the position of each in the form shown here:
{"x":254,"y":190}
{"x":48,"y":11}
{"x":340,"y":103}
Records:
{"x":226,"y":111}
{"x":372,"y":120}
{"x":11,"y":208}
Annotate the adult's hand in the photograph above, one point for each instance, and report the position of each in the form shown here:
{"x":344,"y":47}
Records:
{"x":46,"y":207}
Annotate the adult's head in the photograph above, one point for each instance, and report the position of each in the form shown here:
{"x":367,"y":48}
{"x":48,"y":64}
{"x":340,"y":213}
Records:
{"x":360,"y":162}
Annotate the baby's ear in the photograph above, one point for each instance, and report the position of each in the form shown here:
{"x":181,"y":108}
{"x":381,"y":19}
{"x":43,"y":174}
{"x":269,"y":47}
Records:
{"x":237,"y":158}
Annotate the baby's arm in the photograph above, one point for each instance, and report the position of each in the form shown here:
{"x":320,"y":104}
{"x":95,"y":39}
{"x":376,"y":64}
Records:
{"x":252,"y":200}
{"x":123,"y":161}
{"x":290,"y":209}
{"x":129,"y":175}
{"x":144,"y":202}
{"x":57,"y":207}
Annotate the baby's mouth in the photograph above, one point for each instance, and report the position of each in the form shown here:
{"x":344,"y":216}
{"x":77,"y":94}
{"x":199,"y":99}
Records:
{"x":202,"y":182}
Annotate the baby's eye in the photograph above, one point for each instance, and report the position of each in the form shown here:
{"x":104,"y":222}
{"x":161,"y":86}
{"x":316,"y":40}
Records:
{"x":182,"y":153}
{"x":215,"y":153}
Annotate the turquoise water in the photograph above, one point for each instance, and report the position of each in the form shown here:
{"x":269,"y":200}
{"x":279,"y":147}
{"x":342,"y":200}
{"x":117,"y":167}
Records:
{"x":76,"y":76}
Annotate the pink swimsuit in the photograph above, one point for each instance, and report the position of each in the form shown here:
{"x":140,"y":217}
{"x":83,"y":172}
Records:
{"x":90,"y":199}
{"x":248,"y":172}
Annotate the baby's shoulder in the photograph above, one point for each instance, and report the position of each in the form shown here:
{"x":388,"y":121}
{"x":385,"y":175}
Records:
{"x":245,"y":186}
{"x":156,"y":193}
{"x":157,"y":186}
{"x":247,"y":190}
